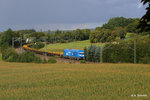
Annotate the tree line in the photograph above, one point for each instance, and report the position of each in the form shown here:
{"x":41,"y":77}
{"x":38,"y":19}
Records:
{"x":115,"y":29}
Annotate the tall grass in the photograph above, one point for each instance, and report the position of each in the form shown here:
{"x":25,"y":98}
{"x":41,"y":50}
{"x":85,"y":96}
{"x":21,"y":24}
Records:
{"x":73,"y":81}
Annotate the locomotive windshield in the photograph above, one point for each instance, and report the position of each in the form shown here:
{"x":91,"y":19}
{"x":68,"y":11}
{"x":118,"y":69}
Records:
{"x":82,"y":53}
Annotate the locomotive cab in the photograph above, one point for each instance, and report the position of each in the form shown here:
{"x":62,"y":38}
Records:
{"x":73,"y":54}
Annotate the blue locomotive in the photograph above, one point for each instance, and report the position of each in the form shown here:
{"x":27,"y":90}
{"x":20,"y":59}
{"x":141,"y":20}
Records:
{"x":73,"y":54}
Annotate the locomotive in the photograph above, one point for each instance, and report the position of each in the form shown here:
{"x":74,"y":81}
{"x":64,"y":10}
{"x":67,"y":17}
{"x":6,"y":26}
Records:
{"x":73,"y":54}
{"x":68,"y":53}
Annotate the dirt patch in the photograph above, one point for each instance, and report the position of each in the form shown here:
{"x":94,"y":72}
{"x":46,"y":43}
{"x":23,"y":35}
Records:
{"x":19,"y":50}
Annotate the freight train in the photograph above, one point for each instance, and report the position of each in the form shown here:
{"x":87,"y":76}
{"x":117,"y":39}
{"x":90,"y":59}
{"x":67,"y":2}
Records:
{"x":68,"y":53}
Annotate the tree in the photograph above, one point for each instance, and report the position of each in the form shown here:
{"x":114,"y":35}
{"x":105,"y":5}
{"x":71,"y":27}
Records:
{"x":78,"y":34}
{"x":145,"y":20}
{"x":6,"y":37}
{"x":97,"y":54}
{"x":132,"y":27}
{"x":121,"y":32}
{"x":86,"y":33}
{"x":38,"y":35}
{"x":118,"y":22}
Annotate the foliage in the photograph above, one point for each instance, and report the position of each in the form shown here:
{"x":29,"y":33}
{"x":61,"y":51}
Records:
{"x":82,"y":61}
{"x":124,"y":51}
{"x":145,"y":60}
{"x":29,"y":57}
{"x":44,"y":61}
{"x":97,"y":54}
{"x":129,"y":35}
{"x":52,"y":60}
{"x":69,"y":36}
{"x":27,"y":31}
{"x":115,"y":29}
{"x":37,"y":35}
{"x":6,"y":37}
{"x":62,"y":41}
{"x":121,"y":32}
{"x":92,"y":53}
{"x":38,"y":45}
{"x":118,"y":22}
{"x":105,"y":35}
{"x":145,"y":20}
{"x":10,"y":55}
{"x":132,"y":27}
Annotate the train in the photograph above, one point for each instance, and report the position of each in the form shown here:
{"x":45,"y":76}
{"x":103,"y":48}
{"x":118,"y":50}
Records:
{"x":73,"y":54}
{"x":68,"y":53}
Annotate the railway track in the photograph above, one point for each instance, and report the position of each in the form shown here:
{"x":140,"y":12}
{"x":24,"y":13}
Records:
{"x":41,"y":54}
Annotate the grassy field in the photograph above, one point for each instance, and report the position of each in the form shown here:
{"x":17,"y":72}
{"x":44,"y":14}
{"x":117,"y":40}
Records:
{"x":72,"y":45}
{"x":73,"y":81}
{"x":59,"y":47}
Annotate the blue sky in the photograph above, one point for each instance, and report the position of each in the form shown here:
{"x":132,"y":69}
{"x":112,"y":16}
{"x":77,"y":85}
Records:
{"x":64,"y":14}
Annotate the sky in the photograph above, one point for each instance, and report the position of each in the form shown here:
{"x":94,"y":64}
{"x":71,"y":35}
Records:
{"x":64,"y":14}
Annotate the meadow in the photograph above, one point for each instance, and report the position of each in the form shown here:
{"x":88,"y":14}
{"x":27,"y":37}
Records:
{"x":22,"y":81}
{"x":59,"y":47}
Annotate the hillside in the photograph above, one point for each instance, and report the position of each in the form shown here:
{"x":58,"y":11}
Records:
{"x":71,"y":45}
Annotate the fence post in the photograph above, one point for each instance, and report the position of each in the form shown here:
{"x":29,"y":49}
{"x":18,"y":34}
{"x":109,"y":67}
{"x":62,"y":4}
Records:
{"x":21,"y":43}
{"x":101,"y":54}
{"x":12,"y":42}
{"x":134,"y":51}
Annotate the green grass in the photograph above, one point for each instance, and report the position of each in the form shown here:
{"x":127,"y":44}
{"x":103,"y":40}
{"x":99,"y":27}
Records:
{"x":73,"y":81}
{"x":128,"y":35}
{"x":72,"y":45}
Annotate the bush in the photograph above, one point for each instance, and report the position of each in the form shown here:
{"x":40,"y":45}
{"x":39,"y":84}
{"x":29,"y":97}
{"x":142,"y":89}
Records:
{"x":44,"y":61}
{"x":29,"y":57}
{"x":123,"y":51}
{"x":92,"y":53}
{"x":52,"y":60}
{"x":10,"y":55}
{"x":62,"y":41}
{"x":82,"y":61}
{"x":38,"y":45}
{"x":145,"y":60}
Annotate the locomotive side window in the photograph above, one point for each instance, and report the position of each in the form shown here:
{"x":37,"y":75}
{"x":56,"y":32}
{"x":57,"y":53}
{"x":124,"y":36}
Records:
{"x":74,"y":53}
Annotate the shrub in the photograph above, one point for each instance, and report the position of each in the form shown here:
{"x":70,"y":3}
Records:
{"x":62,"y":41}
{"x":10,"y":55}
{"x":82,"y":61}
{"x":52,"y":60}
{"x":145,"y":60}
{"x":38,"y":45}
{"x":29,"y":57}
{"x":92,"y":53}
{"x":44,"y":61}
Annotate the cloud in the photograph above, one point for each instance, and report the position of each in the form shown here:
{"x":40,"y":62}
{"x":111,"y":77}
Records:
{"x":139,"y":5}
{"x":28,"y":12}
